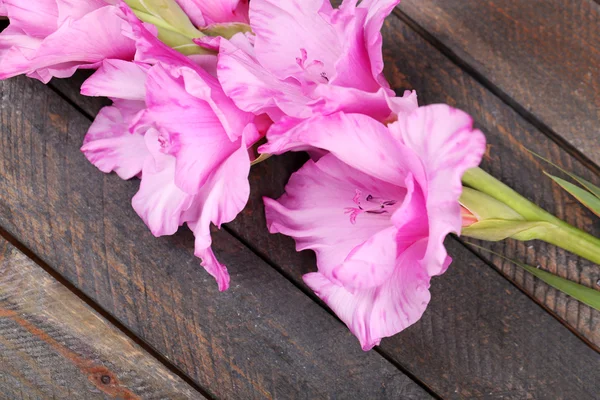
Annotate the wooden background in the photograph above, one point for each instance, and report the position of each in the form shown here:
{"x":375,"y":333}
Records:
{"x":93,"y":306}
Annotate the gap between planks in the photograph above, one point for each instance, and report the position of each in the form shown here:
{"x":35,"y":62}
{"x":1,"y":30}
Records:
{"x":496,"y":91}
{"x":103,"y":313}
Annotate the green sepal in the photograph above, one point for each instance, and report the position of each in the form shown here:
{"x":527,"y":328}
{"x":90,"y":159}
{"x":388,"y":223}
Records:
{"x":483,"y":206}
{"x":165,"y":14}
{"x":227,"y":30}
{"x":494,"y":230}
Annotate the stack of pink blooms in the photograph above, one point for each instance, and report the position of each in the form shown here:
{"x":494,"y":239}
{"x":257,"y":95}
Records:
{"x":381,"y":192}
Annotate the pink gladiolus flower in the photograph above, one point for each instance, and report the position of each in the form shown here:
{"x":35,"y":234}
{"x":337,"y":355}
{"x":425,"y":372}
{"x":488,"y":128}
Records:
{"x":173,"y":125}
{"x":53,"y":38}
{"x":307,"y":58}
{"x":376,"y":210}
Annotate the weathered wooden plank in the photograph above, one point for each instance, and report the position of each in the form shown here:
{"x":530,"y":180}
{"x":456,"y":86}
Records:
{"x":53,"y":345}
{"x":543,"y":54}
{"x":491,"y":359}
{"x":263,"y":338}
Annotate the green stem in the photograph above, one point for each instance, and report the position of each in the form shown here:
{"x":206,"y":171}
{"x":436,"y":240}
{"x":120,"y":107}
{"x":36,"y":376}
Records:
{"x":562,"y":234}
{"x":574,"y":240}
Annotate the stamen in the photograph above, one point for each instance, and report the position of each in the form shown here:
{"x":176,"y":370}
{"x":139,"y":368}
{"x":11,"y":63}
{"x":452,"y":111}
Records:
{"x":377,"y":206}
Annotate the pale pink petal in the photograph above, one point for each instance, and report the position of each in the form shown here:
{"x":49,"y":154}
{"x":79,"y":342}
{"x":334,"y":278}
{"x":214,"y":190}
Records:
{"x":254,"y":89}
{"x":403,"y":106}
{"x":447,"y":144}
{"x":75,"y":9}
{"x":355,"y":139}
{"x":206,"y":12}
{"x":35,"y":18}
{"x":223,"y":196}
{"x":110,"y":146}
{"x":81,"y":43}
{"x":350,"y":100}
{"x":378,"y":10}
{"x":159,"y":202}
{"x":118,"y":79}
{"x":288,"y":31}
{"x":16,"y":51}
{"x":219,"y":201}
{"x":375,"y":313}
{"x":353,"y":66}
{"x":193,"y":11}
{"x":214,"y":268}
{"x":321,"y":210}
{"x":191,"y":122}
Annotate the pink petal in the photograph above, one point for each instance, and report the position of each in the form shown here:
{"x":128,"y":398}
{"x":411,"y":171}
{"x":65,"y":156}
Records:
{"x":159,"y":202}
{"x":372,"y":314}
{"x":214,"y":268}
{"x":79,"y":43}
{"x":206,"y":12}
{"x":35,"y":18}
{"x":320,"y":211}
{"x":110,"y":146}
{"x":286,"y":29}
{"x":378,"y":10}
{"x":447,"y":144}
{"x":350,"y":100}
{"x":355,"y":139}
{"x":254,"y":89}
{"x":75,"y":9}
{"x":181,"y":104}
{"x":118,"y":79}
{"x":219,"y":201}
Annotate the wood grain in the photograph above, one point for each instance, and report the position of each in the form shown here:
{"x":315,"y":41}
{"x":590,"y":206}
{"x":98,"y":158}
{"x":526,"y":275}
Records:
{"x":261,"y":339}
{"x":542,"y":54}
{"x":53,"y":345}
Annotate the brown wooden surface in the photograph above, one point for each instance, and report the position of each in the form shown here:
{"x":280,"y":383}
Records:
{"x":541,"y":55}
{"x":262,"y":338}
{"x":481,"y":337}
{"x":53,"y":346}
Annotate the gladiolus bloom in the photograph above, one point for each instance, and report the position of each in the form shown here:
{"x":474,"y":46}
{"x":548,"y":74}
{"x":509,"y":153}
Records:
{"x":53,"y":38}
{"x":306,"y":58}
{"x":172,"y":124}
{"x":376,"y":210}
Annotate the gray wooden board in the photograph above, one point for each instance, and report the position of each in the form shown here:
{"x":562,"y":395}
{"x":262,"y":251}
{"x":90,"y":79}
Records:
{"x":54,"y":346}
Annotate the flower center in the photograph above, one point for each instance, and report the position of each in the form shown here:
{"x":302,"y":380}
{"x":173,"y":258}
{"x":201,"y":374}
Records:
{"x":313,"y":71}
{"x":370,"y":205}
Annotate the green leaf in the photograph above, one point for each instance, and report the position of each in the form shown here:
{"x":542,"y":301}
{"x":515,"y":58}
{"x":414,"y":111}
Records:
{"x":586,"y":198}
{"x":584,"y":294}
{"x":595,"y":190}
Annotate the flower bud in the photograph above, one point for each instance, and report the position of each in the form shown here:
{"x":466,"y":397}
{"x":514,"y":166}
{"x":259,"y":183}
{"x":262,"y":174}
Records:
{"x":486,"y":218}
{"x":165,"y":14}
